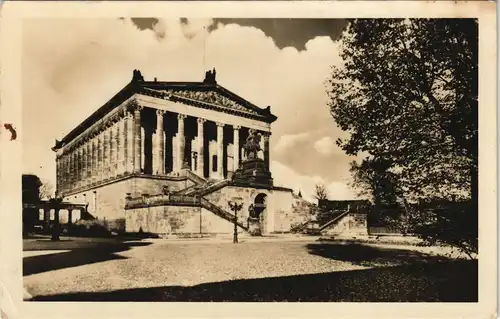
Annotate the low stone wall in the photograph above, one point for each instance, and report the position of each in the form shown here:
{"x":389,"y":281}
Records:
{"x":163,"y":219}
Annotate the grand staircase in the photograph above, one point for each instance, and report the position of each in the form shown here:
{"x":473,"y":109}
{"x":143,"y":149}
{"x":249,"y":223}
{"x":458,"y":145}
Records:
{"x":203,"y":187}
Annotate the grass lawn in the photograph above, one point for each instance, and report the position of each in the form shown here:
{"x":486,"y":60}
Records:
{"x":113,"y":270}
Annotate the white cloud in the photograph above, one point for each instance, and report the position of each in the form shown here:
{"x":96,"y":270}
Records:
{"x":287,"y":177}
{"x":85,"y":62}
{"x":287,"y":141}
{"x":325,"y":145}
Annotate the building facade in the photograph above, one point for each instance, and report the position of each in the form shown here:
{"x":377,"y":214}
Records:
{"x":162,"y":154}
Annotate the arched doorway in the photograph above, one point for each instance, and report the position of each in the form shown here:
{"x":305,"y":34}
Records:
{"x":257,"y":213}
{"x":259,"y":205}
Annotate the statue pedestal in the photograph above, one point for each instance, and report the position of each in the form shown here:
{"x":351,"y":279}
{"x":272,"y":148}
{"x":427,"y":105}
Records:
{"x":254,"y":226}
{"x":253,"y":172}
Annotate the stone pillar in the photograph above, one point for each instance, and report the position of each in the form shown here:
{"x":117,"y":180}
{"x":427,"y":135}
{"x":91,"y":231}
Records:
{"x":83,"y":174}
{"x":80,"y":166}
{"x":100,"y":156}
{"x":236,"y":147}
{"x":105,"y":153}
{"x":86,"y":163}
{"x":160,"y":142}
{"x":70,"y":170}
{"x":75,"y":168}
{"x":112,"y":150}
{"x":67,"y":172}
{"x":58,"y":173}
{"x":46,"y":219}
{"x":70,"y":216}
{"x":93,"y":154}
{"x":181,"y":141}
{"x":266,"y":136}
{"x":220,"y":150}
{"x":137,"y":140}
{"x":62,"y":175}
{"x":88,"y":159}
{"x":201,"y":151}
{"x":129,"y":140}
{"x":122,"y":147}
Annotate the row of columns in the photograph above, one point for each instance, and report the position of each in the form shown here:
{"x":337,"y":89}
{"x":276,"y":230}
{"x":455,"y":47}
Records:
{"x":116,"y":149}
{"x":46,"y":215}
{"x":102,"y":155}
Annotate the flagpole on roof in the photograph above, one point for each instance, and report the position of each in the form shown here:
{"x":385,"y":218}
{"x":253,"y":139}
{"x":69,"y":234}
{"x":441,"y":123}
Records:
{"x":204,"y":46}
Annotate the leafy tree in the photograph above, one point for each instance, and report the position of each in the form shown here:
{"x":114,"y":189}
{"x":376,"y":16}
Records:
{"x":46,"y":190}
{"x":374,"y":180}
{"x":407,"y":95}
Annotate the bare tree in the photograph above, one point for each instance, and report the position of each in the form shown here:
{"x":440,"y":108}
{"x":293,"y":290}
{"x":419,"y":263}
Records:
{"x":320,"y":192}
{"x":46,"y":190}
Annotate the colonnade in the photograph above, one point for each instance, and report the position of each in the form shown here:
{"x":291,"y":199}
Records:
{"x":116,"y":148}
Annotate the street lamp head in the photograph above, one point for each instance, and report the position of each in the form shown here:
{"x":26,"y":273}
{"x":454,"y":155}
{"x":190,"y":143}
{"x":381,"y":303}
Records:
{"x":236,"y":203}
{"x":237,"y":200}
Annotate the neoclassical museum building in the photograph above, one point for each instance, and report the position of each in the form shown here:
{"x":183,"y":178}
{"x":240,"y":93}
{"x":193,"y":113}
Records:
{"x":170,"y":158}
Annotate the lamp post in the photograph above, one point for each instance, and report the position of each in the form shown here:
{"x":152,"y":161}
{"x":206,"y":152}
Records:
{"x":236,"y":204}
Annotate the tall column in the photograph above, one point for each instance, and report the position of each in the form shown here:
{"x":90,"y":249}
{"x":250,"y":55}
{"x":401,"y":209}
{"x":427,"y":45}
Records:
{"x":266,"y":149}
{"x":73,"y":168}
{"x":83,"y":174}
{"x":181,"y":141}
{"x":160,"y":142}
{"x":65,"y":172}
{"x":88,"y":145}
{"x":137,"y":139}
{"x":80,"y":166}
{"x":95,"y":166}
{"x":70,"y":169}
{"x":129,"y":159}
{"x":58,"y":174}
{"x":100,"y":150}
{"x":236,"y":147}
{"x":46,"y":219}
{"x":220,"y":150}
{"x":112,"y":149}
{"x":201,"y":151}
{"x":105,"y":155}
{"x":122,"y":148}
{"x":88,"y":161}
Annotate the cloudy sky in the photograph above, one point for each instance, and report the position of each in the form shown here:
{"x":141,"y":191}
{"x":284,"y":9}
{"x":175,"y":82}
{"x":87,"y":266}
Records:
{"x":71,"y":67}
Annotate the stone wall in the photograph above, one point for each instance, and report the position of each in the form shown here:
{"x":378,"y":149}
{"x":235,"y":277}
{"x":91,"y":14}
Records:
{"x":350,"y":225}
{"x":176,"y":220}
{"x":280,"y":210}
{"x":107,"y":202}
{"x":214,"y":224}
{"x":164,"y":219}
{"x":222,"y":196}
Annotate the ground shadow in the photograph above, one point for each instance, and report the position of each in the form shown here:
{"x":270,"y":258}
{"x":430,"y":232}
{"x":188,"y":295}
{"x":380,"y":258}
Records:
{"x":86,"y":253}
{"x":450,"y":281}
{"x":371,"y":256}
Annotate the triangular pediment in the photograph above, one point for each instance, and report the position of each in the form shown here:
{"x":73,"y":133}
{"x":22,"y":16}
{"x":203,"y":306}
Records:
{"x":211,"y":97}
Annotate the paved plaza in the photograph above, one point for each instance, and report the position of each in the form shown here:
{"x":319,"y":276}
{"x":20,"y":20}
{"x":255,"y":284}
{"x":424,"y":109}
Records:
{"x":252,"y":270}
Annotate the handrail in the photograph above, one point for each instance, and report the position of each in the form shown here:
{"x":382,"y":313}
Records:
{"x":214,"y":187}
{"x":336,"y":219}
{"x":195,"y":178}
{"x":187,"y":189}
{"x":220,"y":212}
{"x":158,"y":200}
